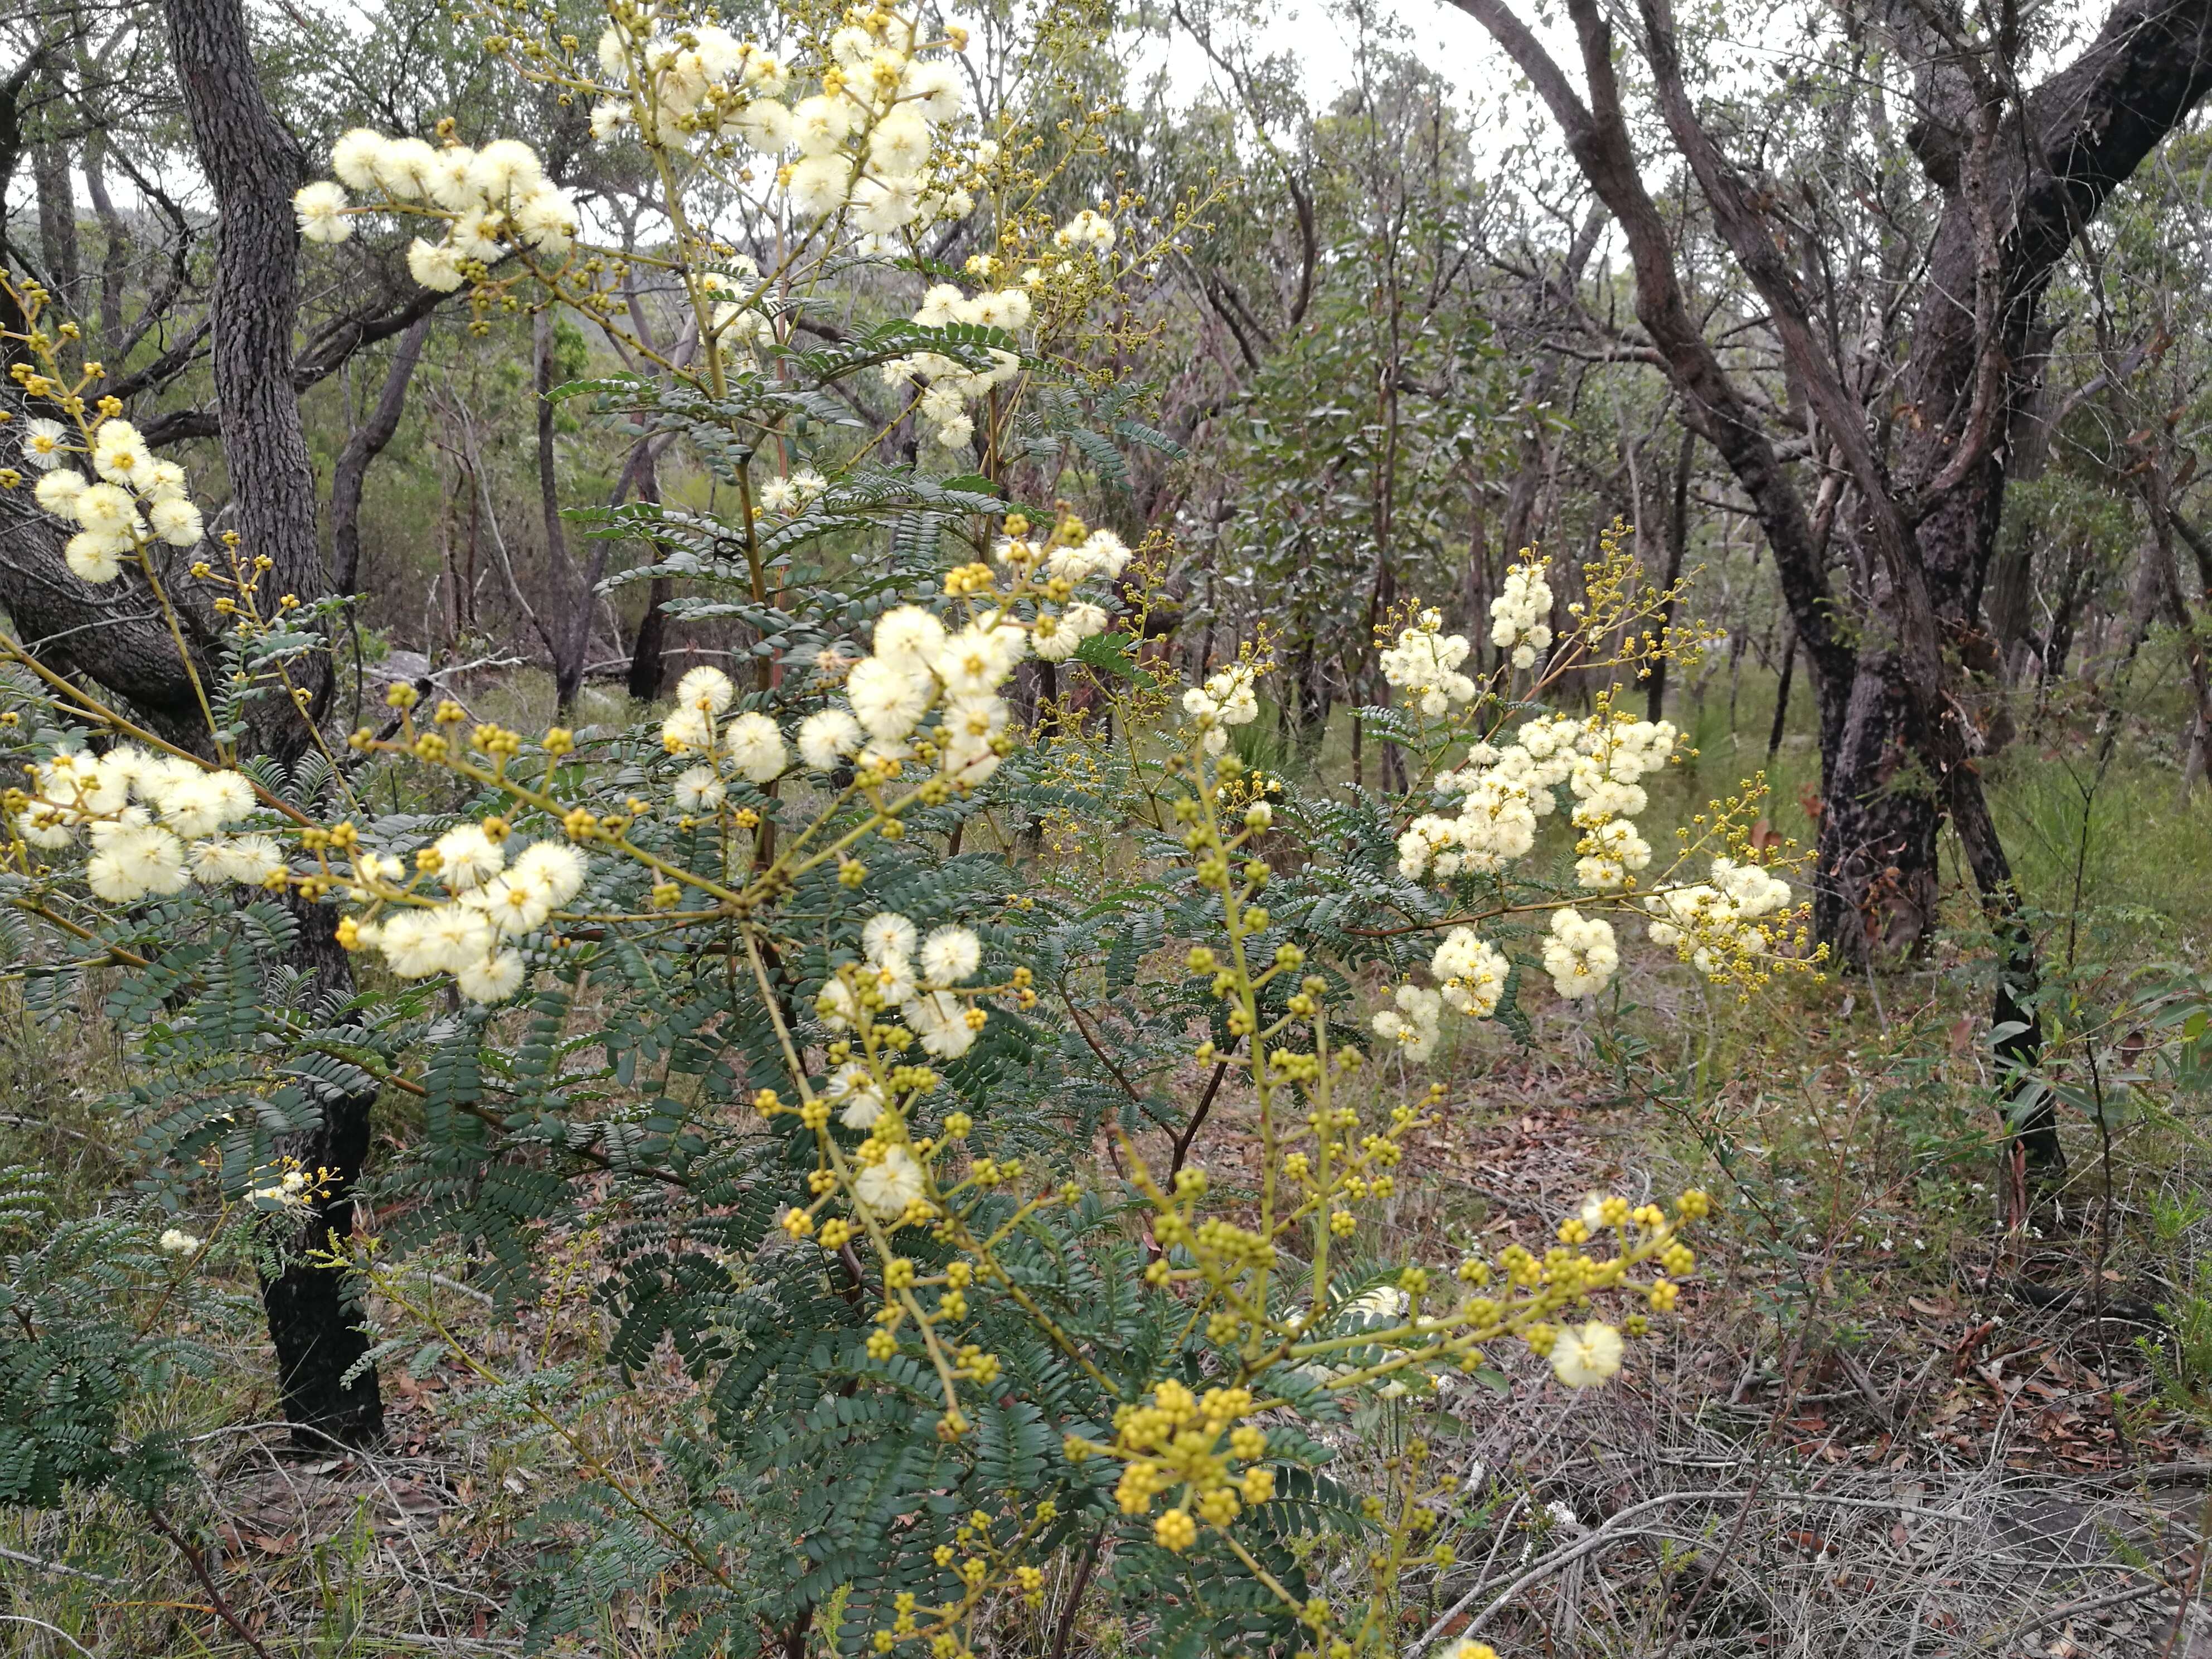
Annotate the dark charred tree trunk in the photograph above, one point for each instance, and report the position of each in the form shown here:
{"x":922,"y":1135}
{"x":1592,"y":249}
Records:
{"x":571,"y":636}
{"x":254,"y":166}
{"x":2056,"y":643}
{"x":314,"y":1316}
{"x":1782,"y":697}
{"x":1875,"y":896}
{"x":648,"y":657}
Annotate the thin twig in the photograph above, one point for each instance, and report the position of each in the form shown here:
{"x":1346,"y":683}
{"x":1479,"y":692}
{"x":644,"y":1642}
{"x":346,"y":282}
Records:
{"x":1075,"y":1594}
{"x":53,"y":1630}
{"x":61,"y":1567}
{"x":1197,"y":1117}
{"x":1127,"y":1088}
{"x":1605,"y":1534}
{"x":2075,"y":1610}
{"x":198,"y":1564}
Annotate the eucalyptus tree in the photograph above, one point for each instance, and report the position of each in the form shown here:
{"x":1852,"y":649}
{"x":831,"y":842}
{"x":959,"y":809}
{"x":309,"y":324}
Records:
{"x":1959,"y":252}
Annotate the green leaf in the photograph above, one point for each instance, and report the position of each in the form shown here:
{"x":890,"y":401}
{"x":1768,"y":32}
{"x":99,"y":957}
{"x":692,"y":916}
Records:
{"x":1108,"y":653}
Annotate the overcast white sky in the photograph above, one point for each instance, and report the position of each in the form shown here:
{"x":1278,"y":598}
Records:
{"x":1322,"y":40}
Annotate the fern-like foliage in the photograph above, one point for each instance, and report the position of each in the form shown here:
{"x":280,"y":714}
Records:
{"x":78,"y":1343}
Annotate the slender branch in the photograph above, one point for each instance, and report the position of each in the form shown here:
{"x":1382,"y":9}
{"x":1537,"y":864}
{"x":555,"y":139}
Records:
{"x":198,"y":1564}
{"x":1197,"y":1117}
{"x":1066,"y":1622}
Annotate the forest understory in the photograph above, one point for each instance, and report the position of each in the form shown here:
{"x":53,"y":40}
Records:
{"x":1899,"y":1414}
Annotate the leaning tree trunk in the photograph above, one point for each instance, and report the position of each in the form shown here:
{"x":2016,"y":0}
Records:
{"x":254,"y":166}
{"x":367,"y":442}
{"x":2018,"y":181}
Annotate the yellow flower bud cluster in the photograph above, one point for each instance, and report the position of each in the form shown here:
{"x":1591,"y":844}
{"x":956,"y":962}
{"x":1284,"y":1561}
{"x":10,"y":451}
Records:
{"x":1195,"y":1445}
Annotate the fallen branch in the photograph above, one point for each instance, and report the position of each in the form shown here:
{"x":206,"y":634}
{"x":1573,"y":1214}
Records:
{"x":198,"y":1564}
{"x":1616,"y":1527}
{"x":43,"y":1565}
{"x":2075,"y":1610}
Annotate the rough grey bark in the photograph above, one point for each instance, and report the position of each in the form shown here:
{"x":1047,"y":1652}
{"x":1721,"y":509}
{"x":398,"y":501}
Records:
{"x":254,"y":166}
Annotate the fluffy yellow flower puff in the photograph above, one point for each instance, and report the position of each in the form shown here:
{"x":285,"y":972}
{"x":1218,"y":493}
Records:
{"x":1503,"y":789}
{"x":1585,"y":1356}
{"x":153,"y":822}
{"x":491,"y":200}
{"x":472,"y":933}
{"x":1506,"y":789}
{"x":914,"y":975}
{"x":131,"y":501}
{"x":865,"y":146}
{"x":1424,"y":666}
{"x":752,"y":745}
{"x":927,"y":693}
{"x":949,"y":385}
{"x":1226,"y":698}
{"x":1519,"y":616}
{"x":1707,"y":923}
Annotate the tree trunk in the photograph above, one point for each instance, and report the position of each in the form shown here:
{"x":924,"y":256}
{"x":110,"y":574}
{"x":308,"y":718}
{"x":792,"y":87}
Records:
{"x":571,"y":635}
{"x":58,"y":242}
{"x":648,"y":657}
{"x":1782,"y":697}
{"x":1678,"y":543}
{"x":114,"y":243}
{"x":2193,"y":768}
{"x":1535,"y":457}
{"x":112,"y":632}
{"x":1476,"y":589}
{"x":254,"y":166}
{"x":1875,"y":894}
{"x":366,"y":444}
